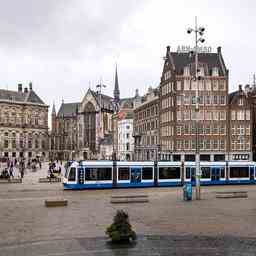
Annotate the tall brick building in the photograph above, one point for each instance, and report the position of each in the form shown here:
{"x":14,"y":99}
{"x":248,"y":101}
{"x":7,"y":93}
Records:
{"x":224,"y":129}
{"x":178,"y":128}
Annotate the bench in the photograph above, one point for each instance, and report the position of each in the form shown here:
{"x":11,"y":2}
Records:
{"x":15,"y":180}
{"x":232,"y":194}
{"x":49,"y":180}
{"x":125,"y":199}
{"x":55,"y":202}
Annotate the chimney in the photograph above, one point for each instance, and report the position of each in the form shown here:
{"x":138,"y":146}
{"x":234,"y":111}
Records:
{"x":19,"y":87}
{"x":219,"y":50}
{"x":168,"y":48}
{"x":247,"y":88}
{"x":30,"y":86}
{"x":26,"y":90}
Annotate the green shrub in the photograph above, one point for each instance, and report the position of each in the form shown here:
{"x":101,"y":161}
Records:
{"x":121,"y":230}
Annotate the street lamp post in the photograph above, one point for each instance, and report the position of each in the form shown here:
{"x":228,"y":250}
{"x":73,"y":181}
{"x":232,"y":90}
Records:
{"x":197,"y":31}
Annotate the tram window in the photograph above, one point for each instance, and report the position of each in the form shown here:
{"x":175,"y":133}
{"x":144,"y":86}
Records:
{"x":72,"y":174}
{"x":98,"y":174}
{"x":187,"y":173}
{"x":176,"y":157}
{"x":91,"y":174}
{"x":147,"y":173}
{"x":205,"y":157}
{"x":205,"y":172}
{"x":105,"y":173}
{"x":239,"y":172}
{"x":123,"y":173}
{"x":169,"y":173}
{"x":222,"y":172}
{"x":190,"y":158}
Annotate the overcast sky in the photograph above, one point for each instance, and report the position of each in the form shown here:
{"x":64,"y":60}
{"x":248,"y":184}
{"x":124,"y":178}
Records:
{"x":63,"y":45}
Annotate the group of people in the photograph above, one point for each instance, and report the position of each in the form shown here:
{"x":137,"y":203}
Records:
{"x":54,"y":167}
{"x":11,"y":166}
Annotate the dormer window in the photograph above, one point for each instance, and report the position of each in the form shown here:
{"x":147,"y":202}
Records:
{"x":186,"y":71}
{"x":201,"y":71}
{"x":241,"y":102}
{"x":215,"y":71}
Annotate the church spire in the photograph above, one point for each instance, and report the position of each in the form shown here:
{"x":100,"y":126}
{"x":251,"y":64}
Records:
{"x":53,"y":109}
{"x":116,"y":90}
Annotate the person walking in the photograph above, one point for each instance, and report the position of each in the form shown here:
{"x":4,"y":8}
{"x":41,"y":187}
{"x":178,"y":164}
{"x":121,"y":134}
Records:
{"x":11,"y":170}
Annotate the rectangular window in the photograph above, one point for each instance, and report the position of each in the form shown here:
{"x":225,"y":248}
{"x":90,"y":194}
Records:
{"x":208,"y":115}
{"x":215,"y":85}
{"x":208,"y":85}
{"x":123,"y":173}
{"x":193,"y":100}
{"x":222,"y":100}
{"x":72,"y":174}
{"x":200,"y":85}
{"x":179,"y":100}
{"x":193,"y":115}
{"x":186,"y":100}
{"x":239,"y":172}
{"x":215,"y":100}
{"x":222,"y":145}
{"x":233,"y":115}
{"x":215,"y":129}
{"x":93,"y":174}
{"x":222,"y":115}
{"x":207,"y":100}
{"x":222,"y":86}
{"x":207,"y":130}
{"x":193,"y":144}
{"x":186,"y":71}
{"x":247,"y":114}
{"x":240,"y":115}
{"x":178,"y":85}
{"x":215,"y":115}
{"x":186,"y":144}
{"x":147,"y":173}
{"x":169,"y":173}
{"x":6,"y":143}
{"x":186,"y":114}
{"x":186,"y":85}
{"x":193,"y":85}
{"x":207,"y":144}
{"x":222,"y":129}
{"x":179,"y":117}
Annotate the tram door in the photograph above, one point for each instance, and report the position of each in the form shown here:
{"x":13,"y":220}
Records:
{"x":193,"y":174}
{"x":135,"y":175}
{"x":215,"y":174}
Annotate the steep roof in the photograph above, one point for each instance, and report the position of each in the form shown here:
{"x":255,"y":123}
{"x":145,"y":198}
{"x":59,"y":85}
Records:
{"x":68,"y":109}
{"x":208,"y":60}
{"x":126,"y":103}
{"x":23,"y":97}
{"x":106,"y":101}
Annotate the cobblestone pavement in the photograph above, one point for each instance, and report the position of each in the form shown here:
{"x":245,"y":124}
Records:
{"x":26,"y":224}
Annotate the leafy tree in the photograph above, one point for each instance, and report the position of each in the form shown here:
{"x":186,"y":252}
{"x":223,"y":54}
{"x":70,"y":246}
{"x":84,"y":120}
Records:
{"x":121,"y":230}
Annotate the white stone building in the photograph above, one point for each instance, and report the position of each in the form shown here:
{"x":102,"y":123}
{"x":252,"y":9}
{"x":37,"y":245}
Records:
{"x":125,"y":138}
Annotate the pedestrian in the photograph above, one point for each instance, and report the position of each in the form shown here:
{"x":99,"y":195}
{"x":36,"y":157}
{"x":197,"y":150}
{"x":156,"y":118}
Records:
{"x":40,"y":165}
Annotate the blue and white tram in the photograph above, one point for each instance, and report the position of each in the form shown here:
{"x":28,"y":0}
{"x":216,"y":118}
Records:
{"x":169,"y":174}
{"x":121,"y":174}
{"x":241,"y":172}
{"x":135,"y":174}
{"x":212,"y":173}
